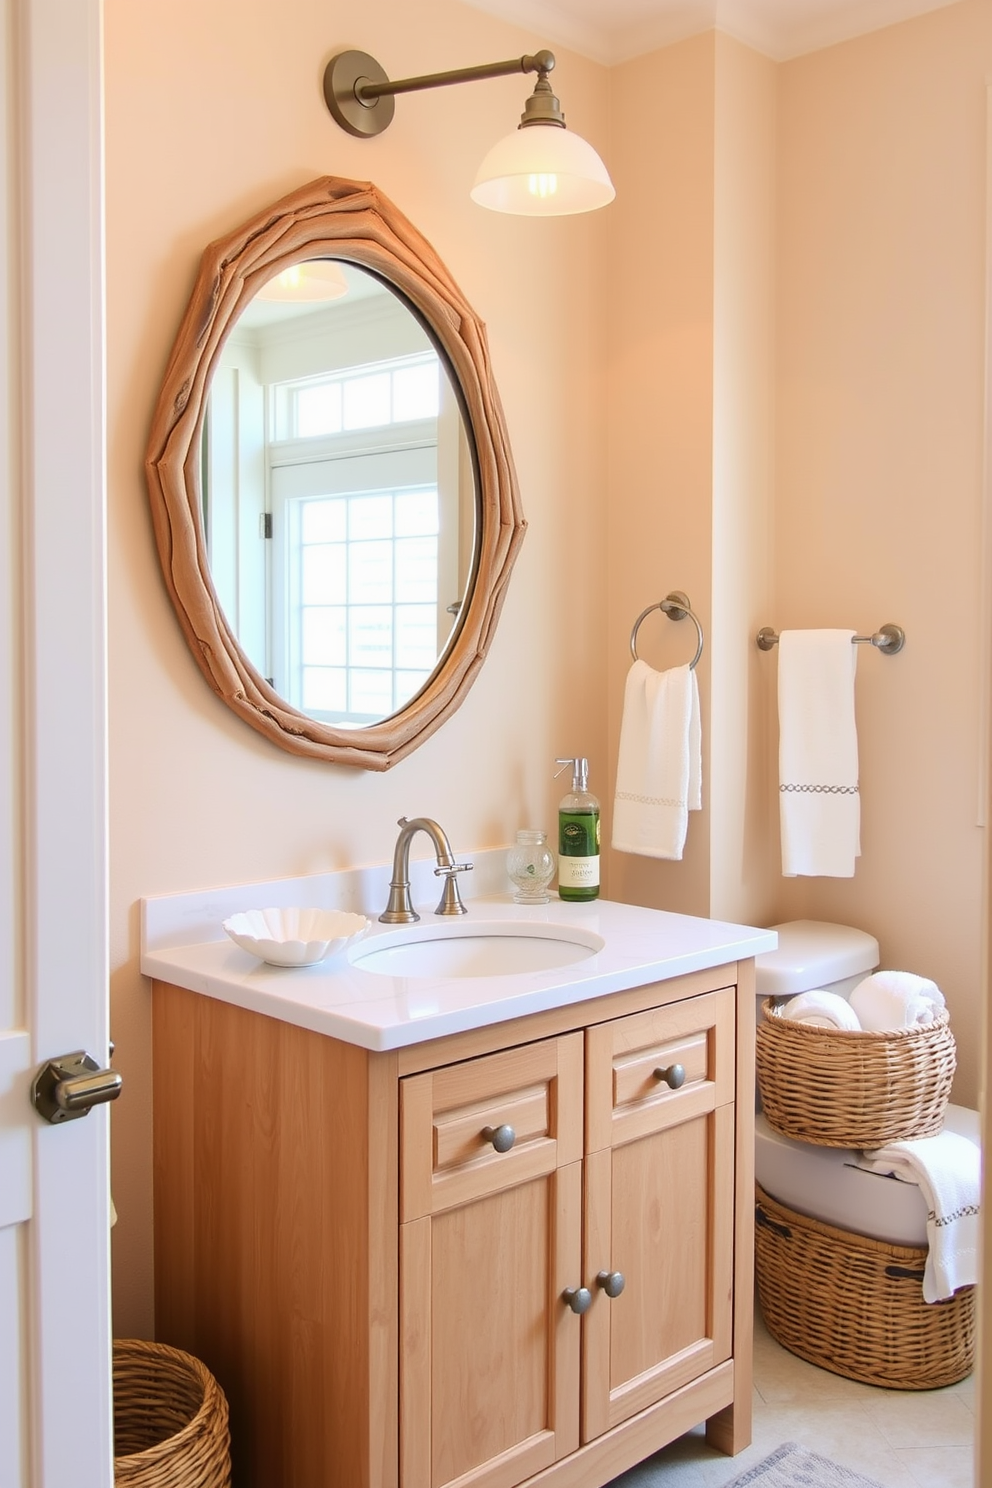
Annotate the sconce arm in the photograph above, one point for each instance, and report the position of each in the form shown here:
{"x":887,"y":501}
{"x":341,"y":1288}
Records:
{"x":359,"y":95}
{"x":541,"y":62}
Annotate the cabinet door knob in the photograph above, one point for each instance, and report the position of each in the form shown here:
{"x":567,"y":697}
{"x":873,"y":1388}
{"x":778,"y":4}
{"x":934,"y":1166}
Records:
{"x":673,"y":1076}
{"x":612,"y":1282}
{"x":579,"y":1299}
{"x":502,"y":1137}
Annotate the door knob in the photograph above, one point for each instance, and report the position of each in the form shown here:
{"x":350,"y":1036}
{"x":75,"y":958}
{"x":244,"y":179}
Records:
{"x":673,"y":1076}
{"x":65,"y":1088}
{"x":612,"y":1282}
{"x":502,"y":1137}
{"x":579,"y":1299}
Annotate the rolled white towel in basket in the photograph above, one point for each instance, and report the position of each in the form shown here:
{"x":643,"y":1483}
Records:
{"x":822,"y":1009}
{"x":896,"y":999}
{"x":948,"y":1170}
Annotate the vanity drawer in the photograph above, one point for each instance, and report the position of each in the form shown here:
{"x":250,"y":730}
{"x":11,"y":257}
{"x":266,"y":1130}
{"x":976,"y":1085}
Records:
{"x":455,"y":1120}
{"x":658,"y":1068}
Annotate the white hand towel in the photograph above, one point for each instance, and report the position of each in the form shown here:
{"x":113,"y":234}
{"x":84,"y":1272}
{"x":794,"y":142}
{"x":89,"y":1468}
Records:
{"x":659,"y":768}
{"x":823,"y":1009}
{"x":896,"y":999}
{"x":948,"y":1169}
{"x":820,"y":809}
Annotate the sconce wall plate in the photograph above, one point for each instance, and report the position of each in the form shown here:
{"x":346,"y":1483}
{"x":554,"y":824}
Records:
{"x":343,"y":76}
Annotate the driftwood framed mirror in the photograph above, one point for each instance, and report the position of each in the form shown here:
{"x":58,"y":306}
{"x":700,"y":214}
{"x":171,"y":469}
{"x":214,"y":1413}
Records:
{"x":332,"y":490}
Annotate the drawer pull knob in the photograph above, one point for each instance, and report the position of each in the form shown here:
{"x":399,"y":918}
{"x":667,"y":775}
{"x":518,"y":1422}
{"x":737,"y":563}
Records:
{"x":579,"y":1299}
{"x":673,"y":1076}
{"x":502,"y":1137}
{"x":612,"y":1282}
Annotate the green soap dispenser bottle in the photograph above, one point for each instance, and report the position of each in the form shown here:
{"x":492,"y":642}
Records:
{"x":578,"y":836}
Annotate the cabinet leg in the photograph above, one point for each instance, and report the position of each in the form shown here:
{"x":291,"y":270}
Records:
{"x":729,"y":1430}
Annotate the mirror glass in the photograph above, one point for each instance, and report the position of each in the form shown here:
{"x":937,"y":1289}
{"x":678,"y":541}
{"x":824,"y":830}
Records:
{"x":338,"y":493}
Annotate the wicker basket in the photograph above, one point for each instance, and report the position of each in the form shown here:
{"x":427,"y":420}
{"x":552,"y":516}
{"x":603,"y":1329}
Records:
{"x":170,"y":1419}
{"x":837,"y":1088}
{"x":855,"y":1305}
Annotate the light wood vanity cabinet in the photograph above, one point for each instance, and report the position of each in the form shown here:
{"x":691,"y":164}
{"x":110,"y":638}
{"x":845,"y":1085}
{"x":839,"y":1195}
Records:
{"x":383,"y":1276}
{"x":489,"y":1242}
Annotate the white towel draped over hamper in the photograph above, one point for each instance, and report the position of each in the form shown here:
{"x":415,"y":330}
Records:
{"x":948,"y":1169}
{"x":659,"y":763}
{"x":820,"y":808}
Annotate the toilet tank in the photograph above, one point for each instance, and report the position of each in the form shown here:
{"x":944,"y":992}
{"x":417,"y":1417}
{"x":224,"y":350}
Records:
{"x":815,"y":953}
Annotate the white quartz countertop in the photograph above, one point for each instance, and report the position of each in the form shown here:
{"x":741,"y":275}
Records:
{"x":379,"y":1012}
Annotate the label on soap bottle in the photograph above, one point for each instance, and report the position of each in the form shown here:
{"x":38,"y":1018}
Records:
{"x":578,"y":873}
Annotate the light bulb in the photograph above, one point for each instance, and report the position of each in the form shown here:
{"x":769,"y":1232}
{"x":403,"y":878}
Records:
{"x":542,"y":184}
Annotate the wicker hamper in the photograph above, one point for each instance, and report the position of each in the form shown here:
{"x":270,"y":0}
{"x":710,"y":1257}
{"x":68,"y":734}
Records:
{"x":855,"y":1305}
{"x":170,"y":1419}
{"x":837,"y":1088}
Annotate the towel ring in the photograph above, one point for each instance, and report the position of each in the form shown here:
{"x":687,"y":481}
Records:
{"x":676,"y":606}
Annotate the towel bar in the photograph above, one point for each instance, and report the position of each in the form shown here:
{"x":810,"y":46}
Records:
{"x":889,"y":639}
{"x":676,"y":606}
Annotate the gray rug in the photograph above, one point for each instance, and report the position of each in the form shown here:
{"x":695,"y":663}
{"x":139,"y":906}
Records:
{"x":791,"y":1466}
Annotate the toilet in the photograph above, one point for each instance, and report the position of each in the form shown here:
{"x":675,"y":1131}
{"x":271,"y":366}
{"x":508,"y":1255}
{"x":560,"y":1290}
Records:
{"x":822,"y":1182}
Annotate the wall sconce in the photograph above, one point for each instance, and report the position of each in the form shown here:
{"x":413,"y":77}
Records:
{"x":540,"y":170}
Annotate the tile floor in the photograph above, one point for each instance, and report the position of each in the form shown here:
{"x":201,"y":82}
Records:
{"x":916,"y":1439}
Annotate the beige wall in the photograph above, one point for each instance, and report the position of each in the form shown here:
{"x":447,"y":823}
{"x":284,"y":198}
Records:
{"x":756,"y":377}
{"x":743,"y":852}
{"x":693,"y":253}
{"x":212,"y":111}
{"x":878,"y":515}
{"x":661,"y":404}
{"x":796,"y":363}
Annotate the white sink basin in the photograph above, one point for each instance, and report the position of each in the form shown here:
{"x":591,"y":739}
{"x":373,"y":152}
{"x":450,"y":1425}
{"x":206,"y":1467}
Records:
{"x":479,"y":949}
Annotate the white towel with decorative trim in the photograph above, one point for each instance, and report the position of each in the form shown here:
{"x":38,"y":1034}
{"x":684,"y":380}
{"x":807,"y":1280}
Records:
{"x":820,"y":807}
{"x":659,"y":766}
{"x":948,"y":1169}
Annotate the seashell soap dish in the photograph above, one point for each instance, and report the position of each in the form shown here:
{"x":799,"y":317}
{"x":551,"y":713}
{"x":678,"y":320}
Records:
{"x":295,"y":937}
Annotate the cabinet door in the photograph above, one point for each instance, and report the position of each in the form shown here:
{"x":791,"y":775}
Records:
{"x":490,"y":1239}
{"x":659,"y":1204}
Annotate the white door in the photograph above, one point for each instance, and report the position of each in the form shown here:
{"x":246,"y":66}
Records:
{"x":55,"y":1416}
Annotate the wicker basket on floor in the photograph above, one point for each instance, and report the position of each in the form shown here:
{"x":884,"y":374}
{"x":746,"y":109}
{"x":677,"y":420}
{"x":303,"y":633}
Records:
{"x":855,"y":1306}
{"x":170,"y":1419}
{"x":841,"y":1088}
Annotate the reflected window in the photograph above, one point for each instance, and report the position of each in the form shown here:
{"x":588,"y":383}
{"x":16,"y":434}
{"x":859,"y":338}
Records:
{"x":364,"y":574}
{"x":398,"y":392}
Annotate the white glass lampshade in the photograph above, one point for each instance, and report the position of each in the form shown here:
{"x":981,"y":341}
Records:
{"x":314,"y":279}
{"x":542,"y":171}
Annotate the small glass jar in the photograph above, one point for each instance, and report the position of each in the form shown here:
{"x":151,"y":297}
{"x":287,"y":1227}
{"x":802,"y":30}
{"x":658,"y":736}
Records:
{"x":530,"y":864}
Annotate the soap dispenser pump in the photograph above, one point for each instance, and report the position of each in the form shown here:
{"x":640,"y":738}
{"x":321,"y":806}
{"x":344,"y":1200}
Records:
{"x":578,"y":835}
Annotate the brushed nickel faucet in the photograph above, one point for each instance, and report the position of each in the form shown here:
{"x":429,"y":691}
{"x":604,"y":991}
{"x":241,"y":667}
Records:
{"x":400,"y":910}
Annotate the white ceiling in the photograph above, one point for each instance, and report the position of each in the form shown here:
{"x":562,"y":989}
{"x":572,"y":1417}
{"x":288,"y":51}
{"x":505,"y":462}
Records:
{"x":611,"y":31}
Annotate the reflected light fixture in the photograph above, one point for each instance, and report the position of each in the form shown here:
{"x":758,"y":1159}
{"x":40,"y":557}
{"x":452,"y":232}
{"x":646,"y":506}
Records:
{"x":310,"y":281}
{"x":540,"y":170}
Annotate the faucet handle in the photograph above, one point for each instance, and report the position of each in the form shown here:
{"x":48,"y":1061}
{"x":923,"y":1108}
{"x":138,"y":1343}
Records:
{"x":451,"y":902}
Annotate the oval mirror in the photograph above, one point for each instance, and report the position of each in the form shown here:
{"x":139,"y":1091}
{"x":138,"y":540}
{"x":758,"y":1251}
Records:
{"x":332,"y":489}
